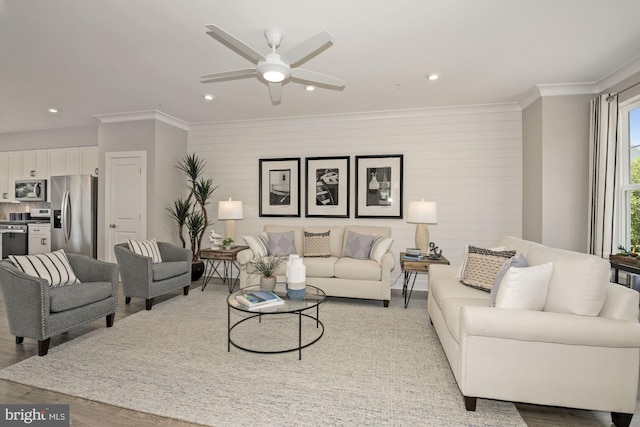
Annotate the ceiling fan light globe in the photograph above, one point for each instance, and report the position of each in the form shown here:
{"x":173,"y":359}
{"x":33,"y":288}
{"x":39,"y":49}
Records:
{"x":273,"y":76}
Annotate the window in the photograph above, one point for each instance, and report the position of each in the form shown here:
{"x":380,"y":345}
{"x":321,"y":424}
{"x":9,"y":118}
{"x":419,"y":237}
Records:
{"x":630,"y":173}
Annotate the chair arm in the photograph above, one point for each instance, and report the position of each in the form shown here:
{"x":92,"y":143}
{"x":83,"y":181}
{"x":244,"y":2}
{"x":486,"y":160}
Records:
{"x":92,"y":270}
{"x":171,"y":252}
{"x":136,"y":271}
{"x":545,"y":326}
{"x":244,"y":256}
{"x":388,"y":261}
{"x":26,"y":301}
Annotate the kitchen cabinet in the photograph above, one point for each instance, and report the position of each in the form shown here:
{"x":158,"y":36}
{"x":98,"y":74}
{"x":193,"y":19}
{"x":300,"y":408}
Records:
{"x":39,"y":238}
{"x":73,"y":161}
{"x":35,"y":164}
{"x":89,"y":161}
{"x":14,"y":172}
{"x":4,"y":176}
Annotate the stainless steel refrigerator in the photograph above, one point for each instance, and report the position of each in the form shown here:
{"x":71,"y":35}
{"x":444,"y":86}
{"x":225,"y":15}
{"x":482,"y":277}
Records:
{"x":74,"y":219}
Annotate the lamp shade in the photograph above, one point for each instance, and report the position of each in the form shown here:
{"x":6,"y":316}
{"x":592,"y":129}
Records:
{"x":230,"y":209}
{"x":423,"y":212}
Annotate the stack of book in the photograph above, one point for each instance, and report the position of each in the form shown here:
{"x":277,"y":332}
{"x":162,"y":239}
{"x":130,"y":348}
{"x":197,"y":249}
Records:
{"x":412,"y":257}
{"x":259,"y":300}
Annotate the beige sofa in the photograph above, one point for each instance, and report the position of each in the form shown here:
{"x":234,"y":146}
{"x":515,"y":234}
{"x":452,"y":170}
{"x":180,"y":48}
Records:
{"x":553,"y":357}
{"x":336,"y":275}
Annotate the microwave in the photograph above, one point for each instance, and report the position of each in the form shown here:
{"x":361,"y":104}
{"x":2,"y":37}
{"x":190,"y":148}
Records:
{"x":31,"y":190}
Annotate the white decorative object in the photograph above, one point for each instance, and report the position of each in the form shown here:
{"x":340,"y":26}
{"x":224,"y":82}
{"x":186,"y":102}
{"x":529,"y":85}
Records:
{"x":215,"y":239}
{"x":296,"y":277}
{"x":422,"y":213}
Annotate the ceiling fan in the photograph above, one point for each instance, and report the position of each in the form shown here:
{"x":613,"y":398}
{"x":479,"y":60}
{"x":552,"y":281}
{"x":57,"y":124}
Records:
{"x":274,"y":68}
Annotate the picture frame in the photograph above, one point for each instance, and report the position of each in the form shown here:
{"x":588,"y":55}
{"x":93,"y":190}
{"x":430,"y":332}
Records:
{"x":379,"y":186}
{"x":327,"y":186}
{"x":279,"y":187}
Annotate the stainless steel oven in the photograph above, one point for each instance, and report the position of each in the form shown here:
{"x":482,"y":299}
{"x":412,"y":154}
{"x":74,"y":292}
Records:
{"x":14,"y":239}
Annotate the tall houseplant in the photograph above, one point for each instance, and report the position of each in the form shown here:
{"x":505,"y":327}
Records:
{"x":191,"y":212}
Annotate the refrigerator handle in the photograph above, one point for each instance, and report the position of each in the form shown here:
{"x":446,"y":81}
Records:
{"x":66,"y":216}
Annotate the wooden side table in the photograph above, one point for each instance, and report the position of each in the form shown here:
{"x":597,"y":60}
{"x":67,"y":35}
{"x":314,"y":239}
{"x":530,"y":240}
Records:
{"x":412,"y":268}
{"x":228,"y":259}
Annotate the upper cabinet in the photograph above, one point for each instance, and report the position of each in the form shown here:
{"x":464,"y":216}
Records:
{"x":89,"y":161}
{"x":35,"y":164}
{"x":73,"y":161}
{"x":10,"y":171}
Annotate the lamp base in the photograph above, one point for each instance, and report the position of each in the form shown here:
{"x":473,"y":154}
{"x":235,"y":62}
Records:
{"x":230,"y":229}
{"x":422,"y":238}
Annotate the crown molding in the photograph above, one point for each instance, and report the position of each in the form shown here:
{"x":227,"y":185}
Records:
{"x":143,"y":115}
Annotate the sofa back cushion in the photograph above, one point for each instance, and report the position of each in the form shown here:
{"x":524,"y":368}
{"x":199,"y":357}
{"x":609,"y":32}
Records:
{"x":579,"y":281}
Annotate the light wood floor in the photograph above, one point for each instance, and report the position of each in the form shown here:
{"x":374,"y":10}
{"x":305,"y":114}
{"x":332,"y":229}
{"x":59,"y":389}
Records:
{"x":89,"y":413}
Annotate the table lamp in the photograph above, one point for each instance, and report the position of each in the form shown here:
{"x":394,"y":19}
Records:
{"x":422,"y":213}
{"x":229,"y":211}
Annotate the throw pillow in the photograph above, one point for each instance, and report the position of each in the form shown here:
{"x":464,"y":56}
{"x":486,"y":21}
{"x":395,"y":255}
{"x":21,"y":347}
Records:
{"x":358,"y":245}
{"x":379,"y":247}
{"x":525,"y":288}
{"x":258,"y":244}
{"x":146,"y":248}
{"x":54,"y":267}
{"x":281,"y":244}
{"x":482,"y":267}
{"x":466,"y":254}
{"x":518,"y":262}
{"x":317,"y":244}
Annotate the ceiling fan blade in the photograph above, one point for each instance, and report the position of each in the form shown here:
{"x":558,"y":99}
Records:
{"x":315,"y":78}
{"x":275,"y":90}
{"x":233,"y":43}
{"x":228,"y":75}
{"x":307,"y":49}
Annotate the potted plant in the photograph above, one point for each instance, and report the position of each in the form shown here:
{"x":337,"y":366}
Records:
{"x":192,"y":211}
{"x":266,"y":267}
{"x":226,"y":243}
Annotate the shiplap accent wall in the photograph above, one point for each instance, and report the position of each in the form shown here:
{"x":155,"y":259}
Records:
{"x":467,"y":159}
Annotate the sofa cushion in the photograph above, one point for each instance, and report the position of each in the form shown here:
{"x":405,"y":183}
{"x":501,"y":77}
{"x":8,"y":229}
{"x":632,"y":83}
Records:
{"x":358,"y":245}
{"x":517,"y":262}
{"x":379,"y":247}
{"x":169,"y":269}
{"x":258,"y":244}
{"x":146,"y":248}
{"x":54,"y":267}
{"x":320,"y":267}
{"x":482,"y":267}
{"x":317,"y":244}
{"x":281,"y":244}
{"x":578,"y":283}
{"x":525,"y":288}
{"x":351,"y":268}
{"x":63,"y":298}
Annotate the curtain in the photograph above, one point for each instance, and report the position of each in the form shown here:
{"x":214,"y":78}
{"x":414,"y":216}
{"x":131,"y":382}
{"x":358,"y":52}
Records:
{"x":603,"y":174}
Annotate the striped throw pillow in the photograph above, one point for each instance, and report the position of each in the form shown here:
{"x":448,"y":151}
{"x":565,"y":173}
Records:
{"x":54,"y":267}
{"x":146,"y":248}
{"x":258,"y":244}
{"x":379,"y":247}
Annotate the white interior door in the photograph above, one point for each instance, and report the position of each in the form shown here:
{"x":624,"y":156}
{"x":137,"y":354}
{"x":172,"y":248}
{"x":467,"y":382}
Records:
{"x":125,"y":197}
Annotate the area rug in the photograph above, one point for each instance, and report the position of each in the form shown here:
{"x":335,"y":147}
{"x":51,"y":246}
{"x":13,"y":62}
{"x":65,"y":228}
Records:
{"x":373,"y":366}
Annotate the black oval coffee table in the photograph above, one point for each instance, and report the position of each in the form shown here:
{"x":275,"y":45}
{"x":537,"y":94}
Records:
{"x":313,"y":298}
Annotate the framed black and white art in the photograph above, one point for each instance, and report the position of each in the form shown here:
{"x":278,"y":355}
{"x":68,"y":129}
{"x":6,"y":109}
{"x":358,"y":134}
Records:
{"x":279,"y":187}
{"x":327,"y":187}
{"x":379,"y":186}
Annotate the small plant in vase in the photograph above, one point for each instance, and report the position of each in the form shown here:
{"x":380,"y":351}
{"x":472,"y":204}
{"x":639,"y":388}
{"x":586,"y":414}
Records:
{"x":266,"y":267}
{"x":226,"y":243}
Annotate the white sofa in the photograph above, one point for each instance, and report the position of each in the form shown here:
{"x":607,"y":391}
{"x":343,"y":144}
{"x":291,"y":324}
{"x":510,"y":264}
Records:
{"x":336,"y":275}
{"x":552,"y":357}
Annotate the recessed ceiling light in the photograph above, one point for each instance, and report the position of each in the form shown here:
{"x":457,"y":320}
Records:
{"x":309,"y":88}
{"x":53,"y":110}
{"x":209,"y":97}
{"x":433,"y":76}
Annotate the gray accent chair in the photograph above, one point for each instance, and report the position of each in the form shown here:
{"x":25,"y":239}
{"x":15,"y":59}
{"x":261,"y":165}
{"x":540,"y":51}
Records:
{"x":141,"y":278}
{"x":36,"y":310}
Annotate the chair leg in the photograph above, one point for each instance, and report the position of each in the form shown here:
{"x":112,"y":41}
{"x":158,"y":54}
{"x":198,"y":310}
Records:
{"x":43,"y":347}
{"x":385,"y":303}
{"x":127,"y":300}
{"x":19,"y":340}
{"x":470,"y":403}
{"x":149,"y":303}
{"x":110,"y":319}
{"x":620,"y":419}
{"x":185,"y":290}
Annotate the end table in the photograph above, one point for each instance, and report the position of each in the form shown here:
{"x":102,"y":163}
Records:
{"x":412,"y":267}
{"x":228,"y":258}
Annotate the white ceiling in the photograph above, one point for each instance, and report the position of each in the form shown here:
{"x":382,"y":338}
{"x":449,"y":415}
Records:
{"x":96,"y":57}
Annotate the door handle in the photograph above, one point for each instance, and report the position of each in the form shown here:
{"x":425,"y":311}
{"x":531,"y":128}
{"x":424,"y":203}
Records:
{"x":32,"y":173}
{"x":5,"y":196}
{"x":112,"y":225}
